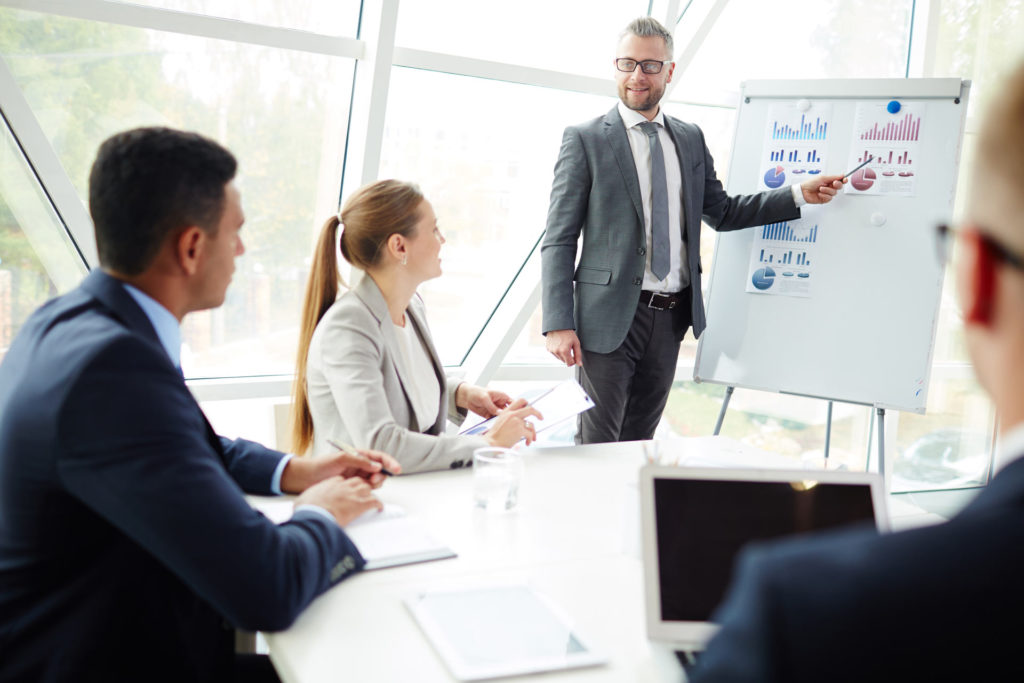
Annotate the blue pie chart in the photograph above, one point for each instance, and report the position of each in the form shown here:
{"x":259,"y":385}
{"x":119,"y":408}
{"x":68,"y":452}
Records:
{"x":763,"y":278}
{"x":775,"y":177}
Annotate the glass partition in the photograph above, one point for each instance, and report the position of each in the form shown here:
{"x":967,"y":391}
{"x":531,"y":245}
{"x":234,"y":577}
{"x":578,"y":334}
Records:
{"x":38,"y":260}
{"x":574,"y":36}
{"x":332,"y":17}
{"x":283,"y":114}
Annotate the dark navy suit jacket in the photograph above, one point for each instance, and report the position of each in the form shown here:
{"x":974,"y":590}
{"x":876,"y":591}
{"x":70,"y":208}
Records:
{"x":937,"y":603}
{"x":127,"y":551}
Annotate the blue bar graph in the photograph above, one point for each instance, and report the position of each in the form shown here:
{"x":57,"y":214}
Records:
{"x":785,"y":258}
{"x":783,"y":232}
{"x":793,"y":156}
{"x":807,"y":130}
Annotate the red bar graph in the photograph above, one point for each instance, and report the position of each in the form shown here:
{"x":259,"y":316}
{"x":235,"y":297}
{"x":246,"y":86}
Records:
{"x":886,"y":157}
{"x":906,"y":129}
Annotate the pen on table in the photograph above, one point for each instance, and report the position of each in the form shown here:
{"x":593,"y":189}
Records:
{"x":869,"y":160}
{"x":345,"y":448}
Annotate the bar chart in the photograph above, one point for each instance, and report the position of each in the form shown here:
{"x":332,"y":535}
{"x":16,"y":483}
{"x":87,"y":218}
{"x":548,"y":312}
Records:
{"x":905,"y":129}
{"x":795,"y":156}
{"x":783,"y":232}
{"x":886,"y":157}
{"x":806,"y":129}
{"x":786,"y":257}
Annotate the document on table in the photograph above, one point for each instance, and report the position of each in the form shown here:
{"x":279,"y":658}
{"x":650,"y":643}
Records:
{"x":390,"y":538}
{"x":562,"y":401}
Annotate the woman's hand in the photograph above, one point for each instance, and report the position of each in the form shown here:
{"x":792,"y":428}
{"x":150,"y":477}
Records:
{"x":512,"y":424}
{"x":483,"y":402}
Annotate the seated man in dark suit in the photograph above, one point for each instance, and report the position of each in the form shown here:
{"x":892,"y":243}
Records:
{"x":938,"y":603}
{"x":127,"y":551}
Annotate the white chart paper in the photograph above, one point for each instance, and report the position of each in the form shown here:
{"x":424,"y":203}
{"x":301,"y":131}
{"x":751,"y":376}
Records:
{"x":795,"y":144}
{"x":893,"y":142}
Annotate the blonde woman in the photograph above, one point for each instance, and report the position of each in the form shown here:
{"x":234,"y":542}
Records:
{"x":368,"y":373}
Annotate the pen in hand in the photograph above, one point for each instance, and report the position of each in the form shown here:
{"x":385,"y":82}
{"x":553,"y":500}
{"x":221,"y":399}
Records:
{"x":869,"y":160}
{"x":345,"y":448}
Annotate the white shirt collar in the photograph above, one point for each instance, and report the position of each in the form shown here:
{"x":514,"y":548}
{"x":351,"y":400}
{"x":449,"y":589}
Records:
{"x":632,"y":118}
{"x":168,"y":330}
{"x":1011,"y":446}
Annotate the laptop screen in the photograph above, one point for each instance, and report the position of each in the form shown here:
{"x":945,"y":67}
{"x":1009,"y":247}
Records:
{"x":701,"y":525}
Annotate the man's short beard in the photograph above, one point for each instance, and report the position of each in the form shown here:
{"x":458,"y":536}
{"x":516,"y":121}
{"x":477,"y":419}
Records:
{"x":652,"y":100}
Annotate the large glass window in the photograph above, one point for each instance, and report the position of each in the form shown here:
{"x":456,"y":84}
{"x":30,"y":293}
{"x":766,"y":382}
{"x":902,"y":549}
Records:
{"x":37,"y":258}
{"x":827,"y":39}
{"x":483,"y":153}
{"x":577,"y":36}
{"x":979,"y":40}
{"x":950,"y":445}
{"x":282,"y":113}
{"x":333,"y":17}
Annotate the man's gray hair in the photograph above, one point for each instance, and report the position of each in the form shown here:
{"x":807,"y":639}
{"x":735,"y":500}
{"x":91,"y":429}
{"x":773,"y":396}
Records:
{"x":649,"y":27}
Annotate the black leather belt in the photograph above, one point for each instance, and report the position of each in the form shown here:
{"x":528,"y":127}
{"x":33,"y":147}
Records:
{"x":660,"y":302}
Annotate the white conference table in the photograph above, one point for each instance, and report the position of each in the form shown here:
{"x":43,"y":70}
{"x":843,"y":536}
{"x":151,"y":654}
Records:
{"x":574,"y":537}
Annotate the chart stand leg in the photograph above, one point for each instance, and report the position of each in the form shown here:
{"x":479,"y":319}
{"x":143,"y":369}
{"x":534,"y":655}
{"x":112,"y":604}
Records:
{"x":881,"y":445}
{"x":992,"y":451}
{"x":828,"y":431}
{"x":725,"y":406}
{"x":871,"y":434}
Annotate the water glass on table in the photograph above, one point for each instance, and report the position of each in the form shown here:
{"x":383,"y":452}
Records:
{"x":497,"y":474}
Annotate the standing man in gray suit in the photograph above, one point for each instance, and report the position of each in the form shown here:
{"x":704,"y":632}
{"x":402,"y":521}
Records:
{"x":635,"y":183}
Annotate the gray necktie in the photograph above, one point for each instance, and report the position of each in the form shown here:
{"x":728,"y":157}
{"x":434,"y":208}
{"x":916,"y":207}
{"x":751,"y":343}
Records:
{"x":660,"y":257}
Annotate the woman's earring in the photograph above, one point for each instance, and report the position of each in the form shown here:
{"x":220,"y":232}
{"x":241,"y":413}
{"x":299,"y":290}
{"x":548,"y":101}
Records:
{"x":405,"y":259}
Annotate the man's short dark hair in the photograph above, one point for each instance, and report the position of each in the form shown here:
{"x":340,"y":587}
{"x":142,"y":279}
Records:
{"x":148,"y":183}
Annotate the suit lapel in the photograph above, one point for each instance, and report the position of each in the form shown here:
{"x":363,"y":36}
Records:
{"x":369,"y":293}
{"x":678,"y":135}
{"x":615,"y":134}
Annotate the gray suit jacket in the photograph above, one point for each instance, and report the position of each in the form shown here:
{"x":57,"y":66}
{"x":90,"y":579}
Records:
{"x":596,"y":192}
{"x":356,"y":376}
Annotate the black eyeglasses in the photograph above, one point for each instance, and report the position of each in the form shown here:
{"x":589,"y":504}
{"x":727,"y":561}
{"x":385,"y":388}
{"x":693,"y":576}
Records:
{"x":648,"y":66}
{"x":944,"y":243}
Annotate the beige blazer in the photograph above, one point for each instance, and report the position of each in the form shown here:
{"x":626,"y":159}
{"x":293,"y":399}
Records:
{"x":355,"y":378}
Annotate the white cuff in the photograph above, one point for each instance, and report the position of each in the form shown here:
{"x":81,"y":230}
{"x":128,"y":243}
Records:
{"x":798,"y":195}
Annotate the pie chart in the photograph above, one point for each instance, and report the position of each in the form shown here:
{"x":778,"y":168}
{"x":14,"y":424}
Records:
{"x":763,"y":278}
{"x":774,"y":177}
{"x":863,"y":179}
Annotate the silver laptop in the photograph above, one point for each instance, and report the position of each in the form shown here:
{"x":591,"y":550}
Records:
{"x":695,"y":521}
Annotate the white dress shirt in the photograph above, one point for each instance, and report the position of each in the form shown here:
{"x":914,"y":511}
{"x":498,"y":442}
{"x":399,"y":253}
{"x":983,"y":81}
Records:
{"x":679,"y":272}
{"x":425,"y":390}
